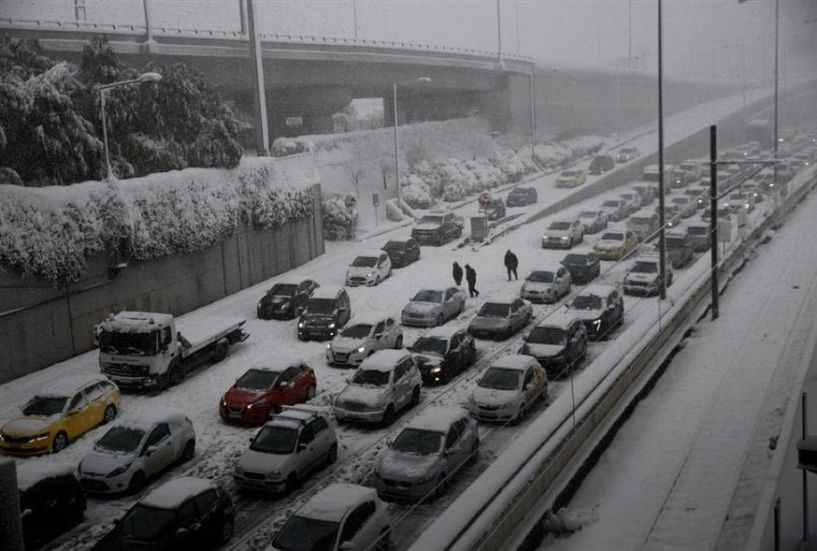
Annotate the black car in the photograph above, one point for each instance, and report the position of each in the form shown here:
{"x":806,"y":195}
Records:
{"x":559,"y":343}
{"x":327,"y":310}
{"x":601,"y":164}
{"x":521,"y":196}
{"x":600,"y":308}
{"x":441,"y":354}
{"x":51,"y":502}
{"x":583,"y":267}
{"x":183,"y":513}
{"x":496,"y":210}
{"x":286,"y":300}
{"x":402,"y":253}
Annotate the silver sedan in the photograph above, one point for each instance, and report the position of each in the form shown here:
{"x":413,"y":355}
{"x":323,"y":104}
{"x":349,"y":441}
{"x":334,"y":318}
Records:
{"x":431,"y":307}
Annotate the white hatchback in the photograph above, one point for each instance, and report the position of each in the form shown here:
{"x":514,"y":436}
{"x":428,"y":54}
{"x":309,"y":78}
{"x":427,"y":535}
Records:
{"x":362,"y":336}
{"x":369,"y":269}
{"x":137,"y":449}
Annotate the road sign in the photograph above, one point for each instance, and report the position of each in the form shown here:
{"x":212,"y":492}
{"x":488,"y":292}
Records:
{"x":375,"y":199}
{"x":485,"y":200}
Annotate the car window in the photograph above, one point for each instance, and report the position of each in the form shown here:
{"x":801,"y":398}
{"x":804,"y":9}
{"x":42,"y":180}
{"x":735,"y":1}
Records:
{"x":379,"y":328}
{"x":356,"y":520}
{"x":187,"y":514}
{"x":78,"y":401}
{"x":159,"y":433}
{"x":450,"y":293}
{"x":389,"y":323}
{"x":399,"y":371}
{"x":453,"y":435}
{"x":318,"y":425}
{"x":528,"y":376}
{"x":289,"y":374}
{"x":456,"y":340}
{"x":206,"y":501}
{"x":307,"y":435}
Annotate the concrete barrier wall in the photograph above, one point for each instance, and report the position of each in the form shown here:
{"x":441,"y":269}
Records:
{"x":41,"y":325}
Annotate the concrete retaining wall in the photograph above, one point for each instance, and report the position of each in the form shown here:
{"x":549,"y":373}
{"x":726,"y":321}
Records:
{"x":41,"y":325}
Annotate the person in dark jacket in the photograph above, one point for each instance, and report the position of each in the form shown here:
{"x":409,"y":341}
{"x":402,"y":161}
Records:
{"x":471,"y":278}
{"x":511,"y":263}
{"x":457,"y":274}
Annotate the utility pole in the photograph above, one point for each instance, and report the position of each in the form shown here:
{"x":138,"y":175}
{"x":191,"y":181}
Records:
{"x":662,"y":233}
{"x":713,"y":219}
{"x":261,"y":124}
{"x":499,"y":31}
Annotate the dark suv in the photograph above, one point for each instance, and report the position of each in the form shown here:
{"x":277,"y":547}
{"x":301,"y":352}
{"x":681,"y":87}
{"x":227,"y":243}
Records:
{"x":583,"y":267}
{"x":441,"y":354}
{"x":601,"y":164}
{"x":327,"y":310}
{"x":51,"y":502}
{"x":559,"y":343}
{"x":600,"y":308}
{"x":402,"y":252}
{"x":183,"y":513}
{"x":286,"y":300}
{"x":521,"y":196}
{"x":437,"y":227}
{"x":496,"y":210}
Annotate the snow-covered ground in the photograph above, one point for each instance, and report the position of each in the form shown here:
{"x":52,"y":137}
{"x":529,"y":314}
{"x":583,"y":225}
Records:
{"x":670,"y":477}
{"x":275,"y":344}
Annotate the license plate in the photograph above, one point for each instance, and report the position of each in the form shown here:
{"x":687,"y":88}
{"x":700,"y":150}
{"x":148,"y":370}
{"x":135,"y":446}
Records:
{"x":235,"y":415}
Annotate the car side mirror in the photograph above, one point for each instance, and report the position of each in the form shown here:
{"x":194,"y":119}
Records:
{"x":73,"y":411}
{"x":149,"y":451}
{"x":348,"y":380}
{"x":389,"y":443}
{"x":25,"y":513}
{"x":252,"y":439}
{"x":301,"y":446}
{"x":529,"y":386}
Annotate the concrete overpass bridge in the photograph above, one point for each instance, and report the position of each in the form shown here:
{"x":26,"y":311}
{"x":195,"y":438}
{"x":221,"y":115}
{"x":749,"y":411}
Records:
{"x":309,"y":78}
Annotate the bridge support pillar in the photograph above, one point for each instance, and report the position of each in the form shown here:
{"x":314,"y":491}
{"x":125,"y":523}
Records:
{"x":259,"y":92}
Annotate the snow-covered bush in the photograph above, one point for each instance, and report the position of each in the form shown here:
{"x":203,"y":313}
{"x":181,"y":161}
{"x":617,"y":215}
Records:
{"x":339,"y":220}
{"x":415,"y":192}
{"x":281,"y":147}
{"x":48,"y":232}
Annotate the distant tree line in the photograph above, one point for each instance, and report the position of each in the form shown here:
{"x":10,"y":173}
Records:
{"x":51,"y":127}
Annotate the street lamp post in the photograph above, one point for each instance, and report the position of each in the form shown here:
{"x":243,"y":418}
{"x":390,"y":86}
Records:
{"x":423,"y":80}
{"x":102,"y":88}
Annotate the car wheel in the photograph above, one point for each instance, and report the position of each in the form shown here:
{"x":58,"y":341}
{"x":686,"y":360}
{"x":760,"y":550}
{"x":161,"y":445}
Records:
{"x":377,"y":280}
{"x":110,"y":414}
{"x":60,"y":442}
{"x":415,"y":396}
{"x":137,"y":481}
{"x":388,"y":415}
{"x":383,"y":542}
{"x":225,"y":532}
{"x":291,"y":483}
{"x":332,"y":456}
{"x":176,"y":374}
{"x":441,"y":486}
{"x":310,"y":392}
{"x":189,"y":451}
{"x":398,"y":344}
{"x":440,"y":319}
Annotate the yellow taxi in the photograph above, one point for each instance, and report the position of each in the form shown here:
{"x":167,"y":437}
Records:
{"x":571,"y":178}
{"x":615,"y":244}
{"x":59,"y":414}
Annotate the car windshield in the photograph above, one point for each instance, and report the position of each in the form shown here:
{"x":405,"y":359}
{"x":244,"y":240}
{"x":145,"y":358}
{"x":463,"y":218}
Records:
{"x":283,"y":290}
{"x":306,"y":534}
{"x":365,"y":262}
{"x":357,"y":331}
{"x":611,"y":203}
{"x":559,"y":225}
{"x":627,"y":196}
{"x":146,"y":523}
{"x":394,"y":246}
{"x":494,"y":310}
{"x":627,"y":150}
{"x":44,"y":405}
{"x":273,"y":439}
{"x":320,"y":306}
{"x":645,"y":268}
{"x":417,"y":441}
{"x":676,"y":242}
{"x":431,"y":220}
{"x":698,"y":230}
{"x":649,"y":177}
{"x":428,"y":296}
{"x":139,"y":344}
{"x":680,"y":200}
{"x":613,"y":236}
{"x":500,"y":378}
{"x":587,"y":302}
{"x":435,"y":345}
{"x":518,"y":191}
{"x":547,"y":335}
{"x":575,"y":259}
{"x":540,"y":277}
{"x":371,"y":377}
{"x":257,"y":379}
{"x":587,"y":214}
{"x":640,"y":220}
{"x":120,"y":440}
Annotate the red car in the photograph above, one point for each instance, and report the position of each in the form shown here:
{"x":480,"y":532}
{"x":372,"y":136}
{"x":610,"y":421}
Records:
{"x":261,"y":392}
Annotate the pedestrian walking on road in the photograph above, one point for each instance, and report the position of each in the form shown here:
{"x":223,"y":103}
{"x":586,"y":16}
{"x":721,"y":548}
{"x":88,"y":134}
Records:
{"x":471,"y":278}
{"x":511,"y":263}
{"x":457,"y":274}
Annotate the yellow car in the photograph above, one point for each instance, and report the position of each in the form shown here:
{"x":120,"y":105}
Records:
{"x":615,"y":244}
{"x":59,"y":414}
{"x":571,"y":178}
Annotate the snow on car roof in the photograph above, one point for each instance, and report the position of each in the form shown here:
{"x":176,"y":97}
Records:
{"x":174,"y":492}
{"x":368,"y":318}
{"x":519,"y":362}
{"x":67,"y":386}
{"x":437,"y":419}
{"x":383,"y":360}
{"x":443,"y":331}
{"x":598,"y":289}
{"x":375,"y":253}
{"x":502,"y":298}
{"x":154,"y":415}
{"x":327,"y":291}
{"x":331,"y":503}
{"x":135,"y":322}
{"x":31,"y":472}
{"x":558,"y":318}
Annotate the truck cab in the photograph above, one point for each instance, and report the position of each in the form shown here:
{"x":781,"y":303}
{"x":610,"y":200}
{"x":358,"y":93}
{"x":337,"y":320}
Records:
{"x":438,"y":227}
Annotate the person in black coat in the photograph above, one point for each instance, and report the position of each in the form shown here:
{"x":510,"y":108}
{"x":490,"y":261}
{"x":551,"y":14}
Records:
{"x":511,"y":263}
{"x":471,"y":278}
{"x":457,"y":273}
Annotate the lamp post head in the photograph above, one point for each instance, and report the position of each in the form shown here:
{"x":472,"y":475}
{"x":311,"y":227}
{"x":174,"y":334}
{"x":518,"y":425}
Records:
{"x":150,"y":77}
{"x":424,"y":80}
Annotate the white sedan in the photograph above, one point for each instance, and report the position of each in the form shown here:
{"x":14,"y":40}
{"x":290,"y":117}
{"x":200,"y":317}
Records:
{"x":137,"y":449}
{"x":362,"y":337}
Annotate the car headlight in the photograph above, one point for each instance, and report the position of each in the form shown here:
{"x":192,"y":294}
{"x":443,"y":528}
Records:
{"x":427,"y":478}
{"x":223,"y":402}
{"x":435,"y":369}
{"x":564,"y":238}
{"x":596,"y":324}
{"x":119,"y":470}
{"x":370,"y":274}
{"x":274,"y":475}
{"x":329,"y":346}
{"x":258,"y":404}
{"x":332,"y":325}
{"x":348,"y":274}
{"x":362,"y":349}
{"x":300,"y":325}
{"x":283,"y":305}
{"x":260,"y":305}
{"x":39,"y":437}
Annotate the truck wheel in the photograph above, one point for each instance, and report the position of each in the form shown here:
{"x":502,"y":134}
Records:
{"x":220,"y":351}
{"x":175,"y":374}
